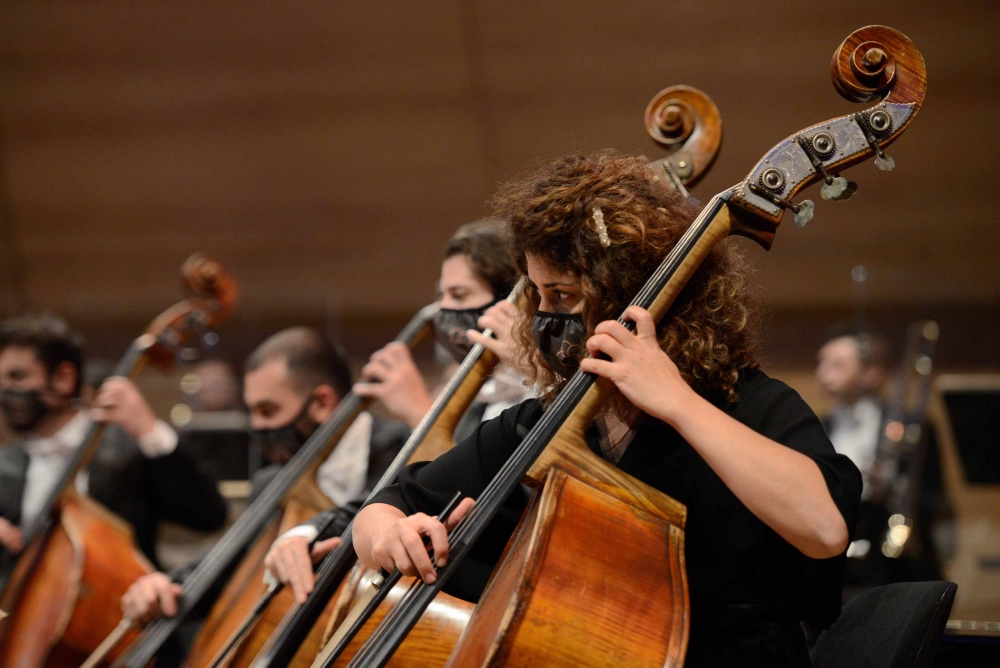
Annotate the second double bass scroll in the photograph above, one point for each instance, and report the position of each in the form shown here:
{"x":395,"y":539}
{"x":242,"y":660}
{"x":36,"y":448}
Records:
{"x":517,"y":622}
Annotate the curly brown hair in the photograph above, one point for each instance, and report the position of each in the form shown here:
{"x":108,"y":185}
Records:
{"x":711,"y":330}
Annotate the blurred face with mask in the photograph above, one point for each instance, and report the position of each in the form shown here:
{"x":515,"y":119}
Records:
{"x":284,"y":412}
{"x":35,"y":400}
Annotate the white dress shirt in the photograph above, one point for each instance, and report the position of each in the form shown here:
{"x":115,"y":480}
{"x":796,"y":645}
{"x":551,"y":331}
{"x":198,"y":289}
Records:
{"x":49,"y":456}
{"x":855,"y":431}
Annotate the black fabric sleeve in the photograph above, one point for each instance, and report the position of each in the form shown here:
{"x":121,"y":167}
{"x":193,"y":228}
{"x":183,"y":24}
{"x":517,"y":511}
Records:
{"x":426,"y":487}
{"x":183,"y":493}
{"x":779,"y":413}
{"x":342,"y":516}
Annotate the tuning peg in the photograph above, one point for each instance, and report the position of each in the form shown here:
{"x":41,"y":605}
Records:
{"x":803,"y":212}
{"x":884,"y":162}
{"x":877,"y":122}
{"x":838,"y":188}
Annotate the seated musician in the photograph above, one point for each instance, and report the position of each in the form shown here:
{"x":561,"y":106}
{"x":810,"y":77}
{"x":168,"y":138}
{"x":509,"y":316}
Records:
{"x":770,"y":503}
{"x":852,"y":368}
{"x":477,"y":274}
{"x":138,"y":472}
{"x":293,"y":382}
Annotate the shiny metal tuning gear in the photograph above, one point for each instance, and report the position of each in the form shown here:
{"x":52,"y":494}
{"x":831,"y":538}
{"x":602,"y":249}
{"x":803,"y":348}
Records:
{"x":822,"y":146}
{"x":882,"y":122}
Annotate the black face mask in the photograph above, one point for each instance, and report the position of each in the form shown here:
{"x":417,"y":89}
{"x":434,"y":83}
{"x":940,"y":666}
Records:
{"x":451,"y":325}
{"x":22,"y":409}
{"x":560,"y":340}
{"x":280,"y":444}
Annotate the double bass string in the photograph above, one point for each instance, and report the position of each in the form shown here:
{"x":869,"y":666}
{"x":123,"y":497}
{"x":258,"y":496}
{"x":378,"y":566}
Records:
{"x":249,"y":524}
{"x":293,"y":628}
{"x":383,"y":643}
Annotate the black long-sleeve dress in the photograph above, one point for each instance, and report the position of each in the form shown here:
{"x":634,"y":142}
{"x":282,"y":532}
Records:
{"x":749,"y":588}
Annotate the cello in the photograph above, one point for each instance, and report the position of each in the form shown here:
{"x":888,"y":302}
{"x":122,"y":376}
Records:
{"x":293,"y":492}
{"x":686,"y":122}
{"x":80,"y":558}
{"x":553,"y":599}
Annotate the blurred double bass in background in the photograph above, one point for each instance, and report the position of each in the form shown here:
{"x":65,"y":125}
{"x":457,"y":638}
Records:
{"x":63,"y":593}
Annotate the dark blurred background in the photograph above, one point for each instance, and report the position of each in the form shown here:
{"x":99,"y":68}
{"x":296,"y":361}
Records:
{"x":325,"y":151}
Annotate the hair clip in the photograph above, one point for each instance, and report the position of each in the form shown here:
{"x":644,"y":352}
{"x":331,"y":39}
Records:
{"x":602,"y":229}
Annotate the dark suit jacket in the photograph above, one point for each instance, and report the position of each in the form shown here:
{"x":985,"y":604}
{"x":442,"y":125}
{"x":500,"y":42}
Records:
{"x":141,"y":490}
{"x":387,"y":439}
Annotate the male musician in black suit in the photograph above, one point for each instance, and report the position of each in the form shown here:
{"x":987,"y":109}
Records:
{"x":852,"y":367}
{"x":138,"y":471}
{"x":293,"y":382}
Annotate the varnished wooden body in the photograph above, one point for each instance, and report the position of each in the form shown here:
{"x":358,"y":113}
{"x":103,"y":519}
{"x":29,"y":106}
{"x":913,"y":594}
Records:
{"x":224,"y":619}
{"x":564,"y":596}
{"x":245,"y":588}
{"x":68,"y":599}
{"x":430,"y":642}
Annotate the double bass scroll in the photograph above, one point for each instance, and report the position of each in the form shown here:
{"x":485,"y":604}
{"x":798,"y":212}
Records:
{"x":519,"y":620}
{"x":687,"y":123}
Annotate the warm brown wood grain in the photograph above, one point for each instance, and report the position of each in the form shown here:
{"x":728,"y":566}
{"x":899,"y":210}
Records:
{"x":687,"y":123}
{"x":430,"y":642}
{"x":441,"y":436}
{"x":568,"y":594}
{"x":70,"y":600}
{"x":243,"y":591}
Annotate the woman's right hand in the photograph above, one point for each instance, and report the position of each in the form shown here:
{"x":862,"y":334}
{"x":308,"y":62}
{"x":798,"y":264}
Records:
{"x":399,"y":543}
{"x":393,"y":378}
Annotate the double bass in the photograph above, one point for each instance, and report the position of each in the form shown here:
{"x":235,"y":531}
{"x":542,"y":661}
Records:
{"x":63,"y":595}
{"x":686,"y":122}
{"x":553,"y":600}
{"x":288,"y":499}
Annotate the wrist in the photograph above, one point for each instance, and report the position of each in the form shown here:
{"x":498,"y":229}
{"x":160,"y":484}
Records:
{"x":680,"y":406}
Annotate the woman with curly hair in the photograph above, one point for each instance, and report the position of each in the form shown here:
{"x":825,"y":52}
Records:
{"x":770,"y":503}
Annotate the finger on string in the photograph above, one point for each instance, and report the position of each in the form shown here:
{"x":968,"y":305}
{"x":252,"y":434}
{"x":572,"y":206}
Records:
{"x":398,"y":352}
{"x":644,"y":325}
{"x":324,"y":547}
{"x":602,"y":368}
{"x":606,"y":344}
{"x":303,"y":566}
{"x":477,"y":338}
{"x":413,"y":541}
{"x":400,"y":560}
{"x":616,"y":330}
{"x":168,"y":604}
{"x":461,"y":510}
{"x":439,"y":541}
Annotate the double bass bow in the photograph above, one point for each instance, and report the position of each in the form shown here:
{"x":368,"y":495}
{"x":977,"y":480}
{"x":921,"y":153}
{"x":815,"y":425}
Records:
{"x":552,"y":600}
{"x":294,"y":485}
{"x":80,"y":557}
{"x":692,"y":146}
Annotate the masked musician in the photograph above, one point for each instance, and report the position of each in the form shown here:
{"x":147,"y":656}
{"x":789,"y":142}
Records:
{"x":293,"y":382}
{"x":138,"y":472}
{"x":770,"y":503}
{"x":478,"y":272}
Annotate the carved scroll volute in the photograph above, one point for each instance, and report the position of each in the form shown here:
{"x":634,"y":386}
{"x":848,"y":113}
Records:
{"x":873,"y":63}
{"x":213,"y":293}
{"x":687,"y":123}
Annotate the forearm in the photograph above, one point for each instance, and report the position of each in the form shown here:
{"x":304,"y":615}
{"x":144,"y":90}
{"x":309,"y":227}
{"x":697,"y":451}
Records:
{"x":368,"y":523}
{"x":783,"y":488}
